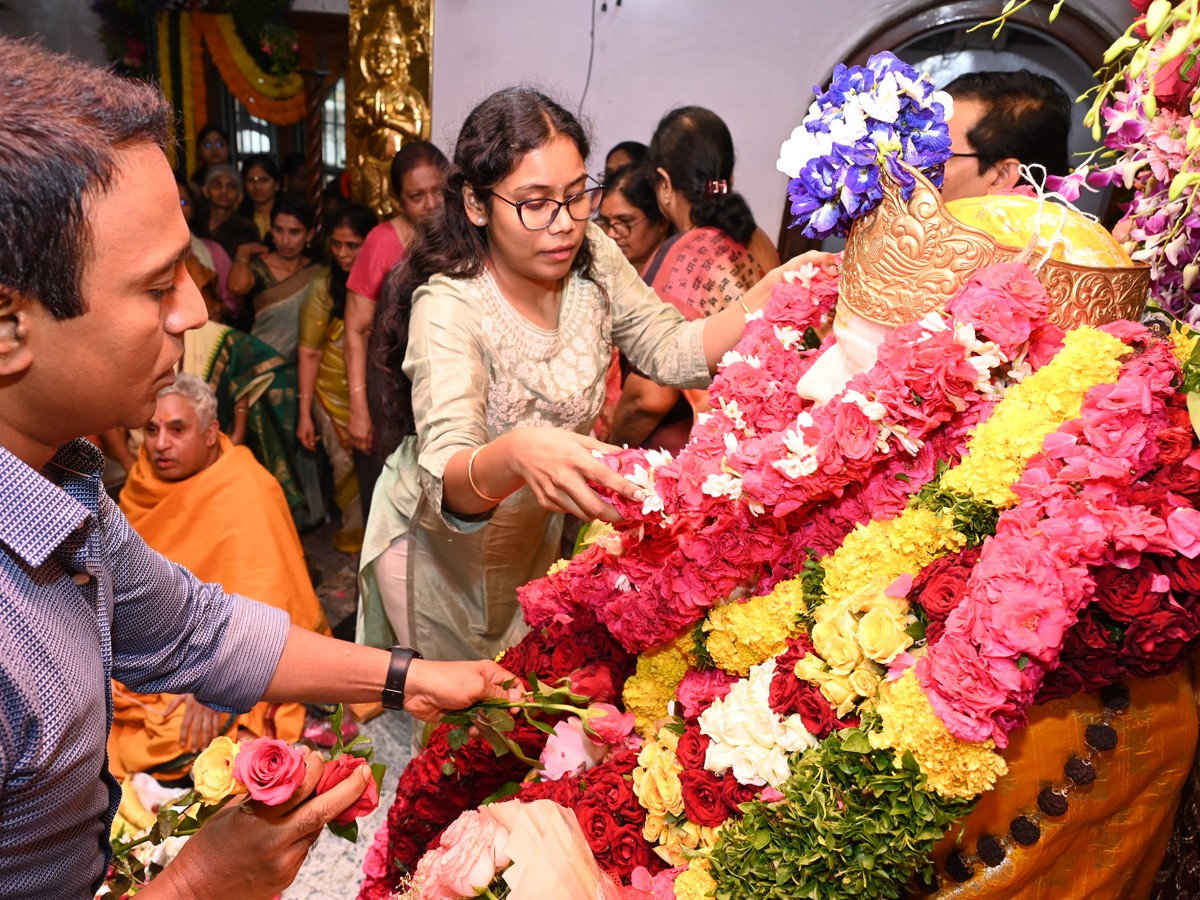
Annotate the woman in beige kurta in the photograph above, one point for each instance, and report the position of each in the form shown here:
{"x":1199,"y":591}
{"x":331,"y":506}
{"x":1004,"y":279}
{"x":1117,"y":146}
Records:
{"x":506,"y":361}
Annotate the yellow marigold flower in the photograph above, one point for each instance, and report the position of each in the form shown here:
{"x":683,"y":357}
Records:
{"x":694,"y":883}
{"x":557,"y":566}
{"x":877,"y":553}
{"x":1000,"y":448}
{"x":741,"y":635}
{"x":652,"y":686}
{"x":212,"y":772}
{"x":1183,"y":345}
{"x":656,"y":778}
{"x":954,"y":768}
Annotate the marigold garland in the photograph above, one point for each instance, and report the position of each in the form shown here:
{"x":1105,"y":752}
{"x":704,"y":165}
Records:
{"x":741,"y":635}
{"x":955,"y":768}
{"x":649,"y":689}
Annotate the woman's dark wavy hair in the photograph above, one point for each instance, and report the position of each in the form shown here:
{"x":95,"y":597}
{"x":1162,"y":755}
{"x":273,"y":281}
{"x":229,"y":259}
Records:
{"x":693,"y":146}
{"x":495,"y":137}
{"x":636,"y":181}
{"x":360,"y":220}
{"x":411,"y":155}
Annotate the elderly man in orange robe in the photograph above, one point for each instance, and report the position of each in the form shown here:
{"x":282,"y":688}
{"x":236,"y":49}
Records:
{"x":209,"y":506}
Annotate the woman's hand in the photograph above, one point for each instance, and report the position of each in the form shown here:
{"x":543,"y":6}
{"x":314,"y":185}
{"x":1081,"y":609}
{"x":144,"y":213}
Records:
{"x":249,"y":251}
{"x":306,"y":432}
{"x":362,"y":432}
{"x":558,"y":464}
{"x":756,"y":298}
{"x":434,"y":687}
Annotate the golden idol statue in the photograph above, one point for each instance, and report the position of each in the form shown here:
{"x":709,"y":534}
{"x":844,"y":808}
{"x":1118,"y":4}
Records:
{"x":387,"y":109}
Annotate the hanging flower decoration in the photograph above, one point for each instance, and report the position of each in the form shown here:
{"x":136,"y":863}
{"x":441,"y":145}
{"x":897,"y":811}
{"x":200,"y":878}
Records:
{"x":883,"y":114}
{"x":125,"y":28}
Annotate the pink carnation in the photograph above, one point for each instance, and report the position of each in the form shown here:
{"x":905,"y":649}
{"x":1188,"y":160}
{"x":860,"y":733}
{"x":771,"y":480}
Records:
{"x":700,"y":689}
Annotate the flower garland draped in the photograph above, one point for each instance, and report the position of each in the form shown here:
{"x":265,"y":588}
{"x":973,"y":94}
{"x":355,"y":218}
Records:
{"x":828,"y":620}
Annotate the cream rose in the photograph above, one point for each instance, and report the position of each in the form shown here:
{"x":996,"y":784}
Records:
{"x":881,"y":634}
{"x":212,"y":772}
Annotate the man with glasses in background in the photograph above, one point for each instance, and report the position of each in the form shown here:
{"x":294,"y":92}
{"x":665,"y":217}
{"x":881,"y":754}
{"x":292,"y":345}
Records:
{"x":1002,"y":121}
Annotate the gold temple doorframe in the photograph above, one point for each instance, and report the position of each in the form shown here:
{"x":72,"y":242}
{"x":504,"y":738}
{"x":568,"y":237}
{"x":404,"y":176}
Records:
{"x":388,"y":91}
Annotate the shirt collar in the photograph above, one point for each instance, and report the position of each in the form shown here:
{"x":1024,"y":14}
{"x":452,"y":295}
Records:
{"x":36,"y":514}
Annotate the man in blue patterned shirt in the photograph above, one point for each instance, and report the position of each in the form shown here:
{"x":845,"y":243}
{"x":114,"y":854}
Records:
{"x":94,"y":301}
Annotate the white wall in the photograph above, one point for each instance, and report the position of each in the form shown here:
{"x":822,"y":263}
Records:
{"x":753,"y":62}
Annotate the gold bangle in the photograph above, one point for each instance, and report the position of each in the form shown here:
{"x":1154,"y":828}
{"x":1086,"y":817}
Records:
{"x":471,"y":477}
{"x":745,"y":308}
{"x":360,"y":388}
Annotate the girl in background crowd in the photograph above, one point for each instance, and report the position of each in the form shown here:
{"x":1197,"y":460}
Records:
{"x":260,"y":184}
{"x":324,"y":396}
{"x":213,"y":148}
{"x":273,"y":281}
{"x":718,"y":254}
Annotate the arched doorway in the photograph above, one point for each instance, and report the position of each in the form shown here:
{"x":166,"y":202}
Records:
{"x":936,"y":39}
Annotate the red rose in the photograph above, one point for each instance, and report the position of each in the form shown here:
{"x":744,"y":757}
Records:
{"x":815,"y":711}
{"x":735,"y":793}
{"x":405,"y":851}
{"x":1088,"y":661}
{"x":703,"y":799}
{"x":598,"y":823}
{"x":941,"y":585}
{"x":614,"y":791}
{"x":1154,"y":644}
{"x":1185,"y":578}
{"x":594,"y":682}
{"x":566,"y":656}
{"x":1126,"y":594}
{"x":432,"y":807}
{"x":692,"y":747}
{"x":338,"y":770}
{"x":627,"y":850}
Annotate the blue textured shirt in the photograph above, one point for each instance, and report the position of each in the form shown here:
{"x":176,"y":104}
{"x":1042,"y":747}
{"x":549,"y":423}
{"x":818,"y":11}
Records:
{"x":83,"y":600}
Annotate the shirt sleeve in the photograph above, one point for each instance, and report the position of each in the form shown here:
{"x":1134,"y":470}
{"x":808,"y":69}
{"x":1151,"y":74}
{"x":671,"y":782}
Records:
{"x":380,"y":251}
{"x":173,"y":633}
{"x":446,"y":363}
{"x":315,"y":311}
{"x":655,"y":337}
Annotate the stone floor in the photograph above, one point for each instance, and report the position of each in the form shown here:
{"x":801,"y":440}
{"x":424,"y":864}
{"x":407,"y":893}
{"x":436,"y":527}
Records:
{"x":333,"y":870}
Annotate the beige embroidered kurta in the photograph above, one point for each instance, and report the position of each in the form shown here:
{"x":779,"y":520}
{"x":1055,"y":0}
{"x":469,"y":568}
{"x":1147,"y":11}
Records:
{"x":480,"y":369}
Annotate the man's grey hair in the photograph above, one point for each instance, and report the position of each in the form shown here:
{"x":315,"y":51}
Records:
{"x":195,"y":391}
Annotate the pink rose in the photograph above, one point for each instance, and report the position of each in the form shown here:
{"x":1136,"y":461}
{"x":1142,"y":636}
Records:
{"x":699,"y":689}
{"x":610,"y":728}
{"x":338,"y":770}
{"x":466,"y":860}
{"x":270,"y":769}
{"x":568,"y":751}
{"x":1183,"y":525}
{"x":660,"y":886}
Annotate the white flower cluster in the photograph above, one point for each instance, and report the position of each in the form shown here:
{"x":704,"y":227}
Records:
{"x":746,"y":735}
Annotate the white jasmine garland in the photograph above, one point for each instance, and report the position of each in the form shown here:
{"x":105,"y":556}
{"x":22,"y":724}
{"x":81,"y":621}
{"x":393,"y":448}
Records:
{"x":749,"y":737}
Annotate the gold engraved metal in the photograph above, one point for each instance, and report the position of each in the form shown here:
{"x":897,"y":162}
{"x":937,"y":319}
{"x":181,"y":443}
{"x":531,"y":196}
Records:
{"x":388,"y":86}
{"x":904,"y":260}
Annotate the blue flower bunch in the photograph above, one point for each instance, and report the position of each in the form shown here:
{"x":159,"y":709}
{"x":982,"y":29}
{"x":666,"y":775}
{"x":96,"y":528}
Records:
{"x":869,"y":118}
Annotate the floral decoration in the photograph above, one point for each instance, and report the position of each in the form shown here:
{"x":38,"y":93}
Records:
{"x":870,"y":119}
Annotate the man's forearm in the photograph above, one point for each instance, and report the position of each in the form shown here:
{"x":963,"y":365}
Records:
{"x":318,"y":669}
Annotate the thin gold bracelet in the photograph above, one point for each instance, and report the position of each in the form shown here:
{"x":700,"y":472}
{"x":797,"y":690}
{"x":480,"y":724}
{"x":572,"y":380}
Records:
{"x":471,"y":477}
{"x":745,"y":308}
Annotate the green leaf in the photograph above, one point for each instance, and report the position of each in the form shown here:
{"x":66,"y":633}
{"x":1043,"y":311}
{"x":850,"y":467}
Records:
{"x":506,"y":790}
{"x":1022,"y":662}
{"x":458,"y":737}
{"x":345,"y":830}
{"x":854,"y":741}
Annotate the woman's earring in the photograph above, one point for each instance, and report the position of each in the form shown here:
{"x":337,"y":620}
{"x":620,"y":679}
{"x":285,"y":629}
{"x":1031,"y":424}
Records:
{"x":480,"y":220}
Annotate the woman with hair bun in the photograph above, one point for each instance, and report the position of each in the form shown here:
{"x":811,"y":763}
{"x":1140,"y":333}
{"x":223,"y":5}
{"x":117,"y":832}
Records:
{"x":494,"y":336}
{"x":718,"y":254}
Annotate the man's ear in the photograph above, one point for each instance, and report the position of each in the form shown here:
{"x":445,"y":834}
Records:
{"x":212,"y":433}
{"x":15,"y":318}
{"x":1004,"y":175}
